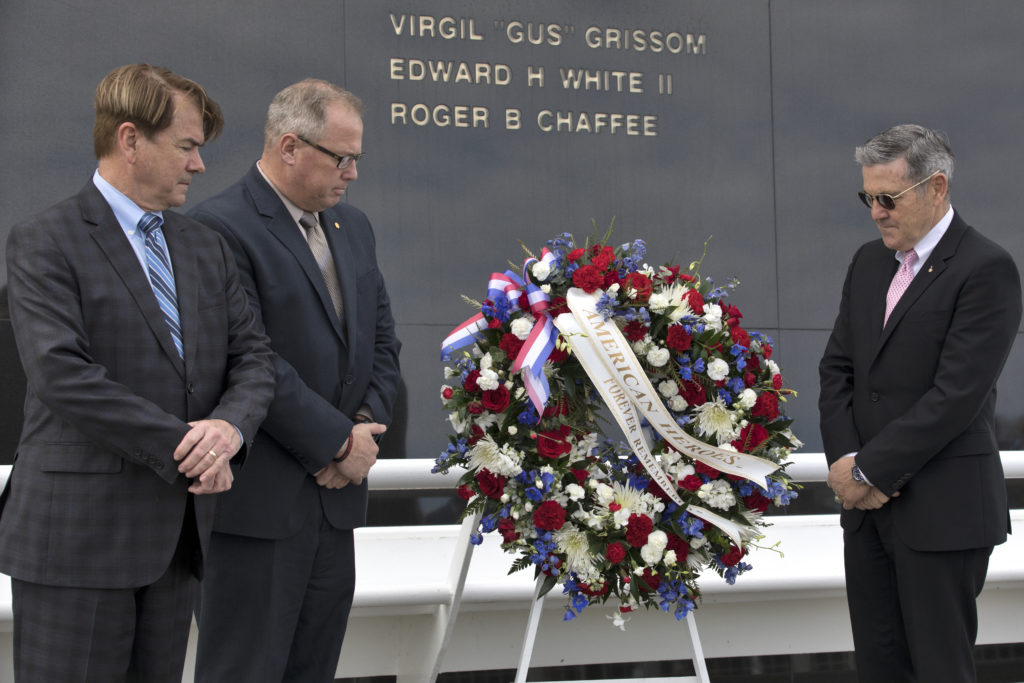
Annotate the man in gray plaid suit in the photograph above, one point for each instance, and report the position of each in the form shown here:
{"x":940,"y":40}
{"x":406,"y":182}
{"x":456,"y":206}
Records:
{"x":147,"y":373}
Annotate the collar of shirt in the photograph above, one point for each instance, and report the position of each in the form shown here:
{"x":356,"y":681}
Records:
{"x":127,"y":214}
{"x":926,"y":246}
{"x":294,"y":211}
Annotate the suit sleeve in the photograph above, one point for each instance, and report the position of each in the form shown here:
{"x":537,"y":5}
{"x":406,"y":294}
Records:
{"x":986,"y":314}
{"x":836,"y":372}
{"x":48,"y":323}
{"x":307,"y":425}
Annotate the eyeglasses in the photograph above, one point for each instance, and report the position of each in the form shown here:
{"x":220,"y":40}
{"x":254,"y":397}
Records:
{"x":888,"y":201}
{"x":344,"y":160}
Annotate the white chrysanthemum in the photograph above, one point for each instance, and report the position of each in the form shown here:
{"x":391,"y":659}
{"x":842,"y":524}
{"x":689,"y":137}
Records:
{"x":659,"y":301}
{"x":658,"y":356}
{"x":504,"y":460}
{"x":668,"y":388}
{"x":717,"y":494}
{"x":521,"y":327}
{"x":718,"y":370}
{"x":714,"y":419}
{"x":747,"y":399}
{"x":576,"y":547}
{"x":677,"y":403}
{"x":541,"y":270}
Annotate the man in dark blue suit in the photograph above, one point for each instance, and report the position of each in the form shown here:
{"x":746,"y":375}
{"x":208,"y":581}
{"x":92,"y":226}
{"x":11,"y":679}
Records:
{"x":908,"y":391}
{"x":281,"y":571}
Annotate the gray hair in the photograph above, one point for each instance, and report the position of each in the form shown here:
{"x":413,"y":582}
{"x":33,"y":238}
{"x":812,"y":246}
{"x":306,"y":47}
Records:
{"x":301,"y":108}
{"x":926,"y":151}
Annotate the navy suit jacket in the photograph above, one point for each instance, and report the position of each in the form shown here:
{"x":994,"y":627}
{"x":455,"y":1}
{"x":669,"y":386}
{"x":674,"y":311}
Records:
{"x":916,"y":400}
{"x":325,"y":370}
{"x":95,"y":499}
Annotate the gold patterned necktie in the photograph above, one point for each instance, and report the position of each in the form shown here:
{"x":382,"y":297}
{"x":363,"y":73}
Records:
{"x":322,"y":254}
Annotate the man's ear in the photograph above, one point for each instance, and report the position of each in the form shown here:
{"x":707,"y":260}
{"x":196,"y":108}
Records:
{"x":128,"y":140}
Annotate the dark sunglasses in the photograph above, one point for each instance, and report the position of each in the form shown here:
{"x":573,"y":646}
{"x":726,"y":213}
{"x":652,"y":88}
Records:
{"x":888,"y":201}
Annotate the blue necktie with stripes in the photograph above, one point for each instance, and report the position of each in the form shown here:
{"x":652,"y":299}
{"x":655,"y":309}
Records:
{"x":160,"y":276}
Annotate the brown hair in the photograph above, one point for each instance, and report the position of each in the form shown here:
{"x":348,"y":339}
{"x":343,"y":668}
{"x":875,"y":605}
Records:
{"x":143,"y":95}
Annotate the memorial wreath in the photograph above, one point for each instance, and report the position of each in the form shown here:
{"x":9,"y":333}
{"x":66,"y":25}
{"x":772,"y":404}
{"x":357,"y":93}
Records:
{"x":586,"y":335}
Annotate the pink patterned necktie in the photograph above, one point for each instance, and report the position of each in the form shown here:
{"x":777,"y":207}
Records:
{"x":900,"y":282}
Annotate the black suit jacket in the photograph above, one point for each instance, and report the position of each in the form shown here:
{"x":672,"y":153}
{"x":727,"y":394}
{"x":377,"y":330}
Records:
{"x":916,"y":400}
{"x":95,"y":498}
{"x":325,"y":371}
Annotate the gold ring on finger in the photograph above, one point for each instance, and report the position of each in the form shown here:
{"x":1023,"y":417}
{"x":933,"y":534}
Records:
{"x":212,"y":454}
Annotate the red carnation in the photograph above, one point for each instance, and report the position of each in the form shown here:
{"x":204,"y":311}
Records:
{"x":510,"y":344}
{"x":749,"y":379}
{"x":776,"y":382}
{"x":691,"y":482}
{"x":475,"y":407}
{"x":766,"y":350}
{"x":581,"y":475}
{"x":560,"y":407}
{"x":696,"y":301}
{"x":465,"y":493}
{"x":591,"y":592}
{"x":476,"y":432}
{"x":491,"y":485}
{"x":558,"y":355}
{"x":739,"y":336}
{"x":649,"y":581}
{"x":638,"y":528}
{"x":751,"y":436}
{"x":757,"y":502}
{"x":707,"y":470}
{"x":576,"y":254}
{"x":635,"y":330}
{"x":694,"y":393}
{"x":494,"y":324}
{"x":496,"y":400}
{"x":766,"y":406}
{"x":603,"y":257}
{"x":654,"y":488}
{"x":642,"y":284}
{"x":507,"y":529}
{"x":680,"y":546}
{"x":677,"y":339}
{"x":549,"y":516}
{"x":588,"y":278}
{"x":523,"y":302}
{"x":557,"y":306}
{"x":731,"y":557}
{"x":470,"y":384}
{"x":615,"y":553}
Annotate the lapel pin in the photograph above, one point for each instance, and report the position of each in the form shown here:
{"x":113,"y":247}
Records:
{"x":336,"y":226}
{"x":930,"y":268}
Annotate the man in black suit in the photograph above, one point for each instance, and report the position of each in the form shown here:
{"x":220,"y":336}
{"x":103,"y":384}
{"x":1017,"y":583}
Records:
{"x":146,"y":373}
{"x":908,"y":391}
{"x":281,"y":578}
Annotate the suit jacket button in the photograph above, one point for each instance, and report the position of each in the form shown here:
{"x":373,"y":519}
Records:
{"x":191,"y":388}
{"x":874,"y":397}
{"x":349,"y":379}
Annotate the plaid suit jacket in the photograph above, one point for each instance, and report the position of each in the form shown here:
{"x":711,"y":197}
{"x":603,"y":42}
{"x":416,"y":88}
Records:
{"x":95,"y":498}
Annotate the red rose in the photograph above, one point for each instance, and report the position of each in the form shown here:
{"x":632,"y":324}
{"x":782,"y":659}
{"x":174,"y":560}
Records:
{"x":691,"y":482}
{"x":576,"y":254}
{"x":507,"y":529}
{"x":694,"y":393}
{"x":732,"y":556}
{"x":510,"y":344}
{"x":496,"y":400}
{"x":680,"y":546}
{"x":549,"y":516}
{"x":649,"y":581}
{"x":447,"y":393}
{"x":475,"y":407}
{"x":588,"y":278}
{"x":470,"y":384}
{"x":751,"y":436}
{"x":635,"y":330}
{"x":491,"y":485}
{"x":615,"y":553}
{"x":465,"y":493}
{"x":552,"y":444}
{"x":708,"y":470}
{"x":638,"y":528}
{"x":642,"y":284}
{"x":696,"y":301}
{"x":677,"y":339}
{"x":766,"y":406}
{"x":739,"y":336}
{"x":612,"y":278}
{"x":757,"y":502}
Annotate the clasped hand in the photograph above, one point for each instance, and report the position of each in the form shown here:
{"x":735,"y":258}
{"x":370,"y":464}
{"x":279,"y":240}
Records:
{"x":204,"y":455}
{"x":360,"y":459}
{"x":852,"y":493}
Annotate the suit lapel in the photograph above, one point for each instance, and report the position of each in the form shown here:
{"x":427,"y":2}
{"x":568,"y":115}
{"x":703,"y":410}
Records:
{"x":112,"y":241}
{"x":283,"y":227}
{"x":186,"y":282}
{"x":344,"y":263}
